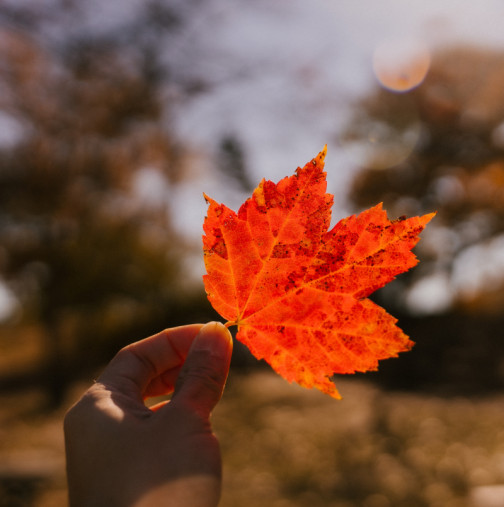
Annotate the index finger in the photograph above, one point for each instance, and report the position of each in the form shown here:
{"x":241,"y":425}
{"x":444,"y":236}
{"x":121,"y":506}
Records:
{"x":137,"y":365}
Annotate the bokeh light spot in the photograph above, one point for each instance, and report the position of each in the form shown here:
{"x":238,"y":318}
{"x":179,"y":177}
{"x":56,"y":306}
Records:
{"x":401,"y":65}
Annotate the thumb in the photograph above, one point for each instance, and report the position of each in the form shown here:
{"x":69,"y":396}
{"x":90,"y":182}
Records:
{"x":202,"y":377}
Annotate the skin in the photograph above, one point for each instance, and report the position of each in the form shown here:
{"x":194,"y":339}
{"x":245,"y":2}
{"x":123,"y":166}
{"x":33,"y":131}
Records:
{"x":121,"y":453}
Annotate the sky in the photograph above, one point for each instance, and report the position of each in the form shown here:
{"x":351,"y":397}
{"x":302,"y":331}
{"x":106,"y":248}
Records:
{"x":288,"y":72}
{"x":287,"y":75}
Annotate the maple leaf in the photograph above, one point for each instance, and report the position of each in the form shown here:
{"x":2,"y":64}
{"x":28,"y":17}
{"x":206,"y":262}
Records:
{"x":298,"y":291}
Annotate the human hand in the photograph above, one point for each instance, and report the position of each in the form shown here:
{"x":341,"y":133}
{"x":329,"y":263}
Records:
{"x":121,"y":453}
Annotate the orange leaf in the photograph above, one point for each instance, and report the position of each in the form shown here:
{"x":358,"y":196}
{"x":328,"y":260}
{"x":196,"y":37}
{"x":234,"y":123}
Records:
{"x":296,"y":291}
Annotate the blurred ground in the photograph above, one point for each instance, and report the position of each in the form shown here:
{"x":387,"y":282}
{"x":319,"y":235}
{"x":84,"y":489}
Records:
{"x":287,"y":446}
{"x":284,"y":445}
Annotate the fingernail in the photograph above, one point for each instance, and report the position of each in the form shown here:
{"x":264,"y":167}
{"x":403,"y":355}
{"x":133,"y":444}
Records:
{"x":214,"y":338}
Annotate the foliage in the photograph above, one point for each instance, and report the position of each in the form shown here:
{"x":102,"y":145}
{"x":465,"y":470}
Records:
{"x":87,"y":256}
{"x":456,"y":118}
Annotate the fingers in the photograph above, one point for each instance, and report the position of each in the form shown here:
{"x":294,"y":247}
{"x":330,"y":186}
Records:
{"x":147,"y":367}
{"x":203,"y":376}
{"x":199,"y":355}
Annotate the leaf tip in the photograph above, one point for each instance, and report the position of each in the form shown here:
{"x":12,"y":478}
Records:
{"x":322,"y":155}
{"x":208,"y":199}
{"x":330,"y":388}
{"x":427,"y":218}
{"x":336,"y":395}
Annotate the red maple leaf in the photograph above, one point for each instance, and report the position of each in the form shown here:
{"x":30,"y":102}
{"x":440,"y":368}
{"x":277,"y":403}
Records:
{"x":296,"y":291}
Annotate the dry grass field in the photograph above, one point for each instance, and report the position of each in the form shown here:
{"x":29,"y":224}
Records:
{"x":287,"y":446}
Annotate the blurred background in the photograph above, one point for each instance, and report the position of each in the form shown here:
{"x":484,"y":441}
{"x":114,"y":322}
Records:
{"x":115,"y":117}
